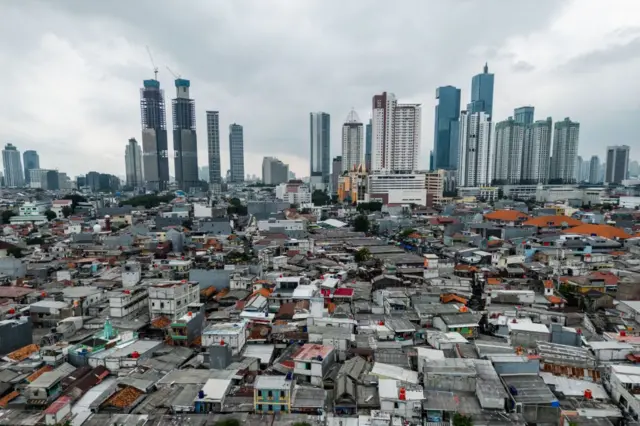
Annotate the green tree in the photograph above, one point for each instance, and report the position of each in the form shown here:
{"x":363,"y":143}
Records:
{"x":461,"y":420}
{"x":361,"y":223}
{"x":66,"y":211}
{"x":6,"y":215}
{"x":373,"y":206}
{"x":294,"y":206}
{"x":362,"y":255}
{"x":75,"y":199}
{"x":15,"y":252}
{"x":407,"y":232}
{"x":320,"y":198}
{"x":50,"y":215}
{"x":188,"y":223}
{"x":227,"y":422}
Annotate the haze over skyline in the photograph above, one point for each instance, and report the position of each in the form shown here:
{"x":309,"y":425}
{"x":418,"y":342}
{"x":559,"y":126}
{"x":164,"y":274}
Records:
{"x":73,"y":70}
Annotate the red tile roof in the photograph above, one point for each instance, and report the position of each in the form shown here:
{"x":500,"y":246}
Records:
{"x":506,"y":215}
{"x":344,"y":292}
{"x":605,"y":231}
{"x":552,"y":221}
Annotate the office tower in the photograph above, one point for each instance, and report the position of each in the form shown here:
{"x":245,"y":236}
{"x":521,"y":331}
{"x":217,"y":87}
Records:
{"x":594,"y":169}
{"x":13,"y":174}
{"x":396,"y":135}
{"x":475,"y":165}
{"x":431,"y":168}
{"x":93,"y":181}
{"x":584,"y":171}
{"x":578,"y":168}
{"x":133,"y":164}
{"x":482,"y":93}
{"x":336,"y":171}
{"x":617,"y":164}
{"x":509,"y":148}
{"x":274,"y":171}
{"x":446,"y":138}
{"x":524,"y":115}
{"x":52,"y":180}
{"x":566,"y":136}
{"x":634,"y":169}
{"x":236,"y":153}
{"x":367,"y":145}
{"x":155,"y":148}
{"x":30,"y":160}
{"x":213,"y":149}
{"x":320,"y":140}
{"x":535,"y":156}
{"x":352,"y":143}
{"x":185,"y":142}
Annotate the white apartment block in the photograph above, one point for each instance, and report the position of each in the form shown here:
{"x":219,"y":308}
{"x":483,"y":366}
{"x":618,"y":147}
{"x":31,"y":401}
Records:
{"x":293,"y":193}
{"x":475,"y":165}
{"x":509,"y":143}
{"x":352,"y":142}
{"x":286,"y":224}
{"x":172,"y":299}
{"x":566,"y":136}
{"x":536,"y":152}
{"x":128,"y":303}
{"x":233,"y":334}
{"x":396,"y":132}
{"x":398,"y":188}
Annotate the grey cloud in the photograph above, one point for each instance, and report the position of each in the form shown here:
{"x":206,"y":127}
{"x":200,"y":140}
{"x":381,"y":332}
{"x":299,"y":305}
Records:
{"x":597,"y":59}
{"x":266,"y":65}
{"x":522,"y":66}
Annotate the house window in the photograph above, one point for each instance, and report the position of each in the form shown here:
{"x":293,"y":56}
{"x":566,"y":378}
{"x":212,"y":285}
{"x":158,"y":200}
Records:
{"x":281,"y":394}
{"x":259,"y":407}
{"x":259,"y":393}
{"x":161,"y":305}
{"x":270,"y":394}
{"x":307,"y":366}
{"x":270,"y":407}
{"x":395,"y":405}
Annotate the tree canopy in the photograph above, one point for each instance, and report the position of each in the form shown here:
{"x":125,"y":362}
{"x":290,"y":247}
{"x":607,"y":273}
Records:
{"x":320,"y":198}
{"x":6,"y":215}
{"x":362,"y":255}
{"x":373,"y":206}
{"x":361,"y":223}
{"x":148,"y":200}
{"x":50,"y":215}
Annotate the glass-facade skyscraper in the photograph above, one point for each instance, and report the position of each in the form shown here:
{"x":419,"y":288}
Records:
{"x":482,"y":92}
{"x":155,"y":150}
{"x":31,"y":161}
{"x":185,"y":144}
{"x":524,"y":115}
{"x":446,"y":137}
{"x":367,"y":145}
{"x":320,"y":141}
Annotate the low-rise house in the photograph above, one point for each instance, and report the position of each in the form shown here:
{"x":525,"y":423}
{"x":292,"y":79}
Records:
{"x":48,"y":386}
{"x":312,"y":362}
{"x":401,"y":399}
{"x":233,"y":334}
{"x":464,"y":323}
{"x":272,"y":394}
{"x":210,"y":398}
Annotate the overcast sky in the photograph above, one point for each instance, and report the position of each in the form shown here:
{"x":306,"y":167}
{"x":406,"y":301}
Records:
{"x":71,"y":70}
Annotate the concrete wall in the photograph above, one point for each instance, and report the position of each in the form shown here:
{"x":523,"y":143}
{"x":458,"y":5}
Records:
{"x":14,"y":336}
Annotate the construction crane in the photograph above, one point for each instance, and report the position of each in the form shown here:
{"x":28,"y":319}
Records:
{"x":177,"y":76}
{"x":155,"y":68}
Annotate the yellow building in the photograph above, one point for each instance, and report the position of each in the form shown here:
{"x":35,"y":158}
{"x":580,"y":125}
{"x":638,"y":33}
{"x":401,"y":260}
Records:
{"x":352,"y":186}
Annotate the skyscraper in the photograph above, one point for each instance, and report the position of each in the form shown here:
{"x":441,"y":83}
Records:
{"x":13,"y":174}
{"x":213,"y":148}
{"x":509,"y":145}
{"x":274,"y":171}
{"x":336,"y":170}
{"x":133,"y":164}
{"x":367,"y":145}
{"x":155,"y":148}
{"x":482,"y":92}
{"x":31,"y":160}
{"x":396,"y":135}
{"x":185,"y":143}
{"x":537,"y":147}
{"x":236,"y":153}
{"x":352,"y":143}
{"x":446,"y":138}
{"x":578,"y":169}
{"x":524,"y":115}
{"x":566,"y":136}
{"x":475,"y":165}
{"x":634,"y":168}
{"x":320,"y":140}
{"x":594,"y":169}
{"x":617,"y":164}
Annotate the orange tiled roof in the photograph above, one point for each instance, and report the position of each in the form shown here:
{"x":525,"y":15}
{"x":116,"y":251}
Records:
{"x":554,"y":299}
{"x":605,"y":231}
{"x":24,"y":352}
{"x":554,"y":221}
{"x":7,"y":398}
{"x":506,"y":215}
{"x":548,"y":284}
{"x":493,"y":281}
{"x":39,"y":373}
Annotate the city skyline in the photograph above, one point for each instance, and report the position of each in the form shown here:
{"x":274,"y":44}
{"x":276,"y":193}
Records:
{"x":546,"y":60}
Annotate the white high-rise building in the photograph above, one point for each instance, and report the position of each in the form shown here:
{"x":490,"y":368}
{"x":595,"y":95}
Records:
{"x":396,"y":132}
{"x":594,"y":169}
{"x":13,"y":174}
{"x":352,"y":142}
{"x":509,"y":144}
{"x":475,"y":164}
{"x":133,"y":164}
{"x":536,"y":151}
{"x":566,"y":135}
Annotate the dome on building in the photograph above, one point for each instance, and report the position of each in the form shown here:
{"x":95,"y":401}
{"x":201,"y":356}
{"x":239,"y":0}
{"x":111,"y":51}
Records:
{"x":97,"y":228}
